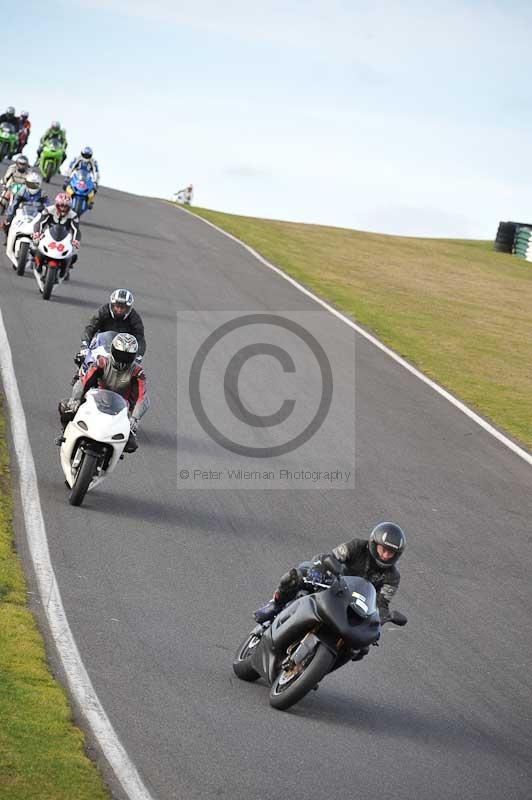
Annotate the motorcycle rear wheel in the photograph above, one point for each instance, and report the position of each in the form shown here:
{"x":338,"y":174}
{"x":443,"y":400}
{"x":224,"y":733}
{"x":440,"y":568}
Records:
{"x":285,"y":693}
{"x":241,"y":666}
{"x":85,"y":474}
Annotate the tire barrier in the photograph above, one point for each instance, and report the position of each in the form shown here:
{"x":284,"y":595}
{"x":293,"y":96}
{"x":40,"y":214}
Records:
{"x":523,"y":243}
{"x":507,"y":236}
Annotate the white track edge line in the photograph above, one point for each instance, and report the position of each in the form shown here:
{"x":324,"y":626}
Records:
{"x":433,"y":385}
{"x":78,"y":679}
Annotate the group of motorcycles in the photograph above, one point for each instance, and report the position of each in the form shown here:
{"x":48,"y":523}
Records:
{"x":55,"y":249}
{"x":85,"y":460}
{"x":94,"y":441}
{"x":330,"y":623}
{"x":81,"y":187}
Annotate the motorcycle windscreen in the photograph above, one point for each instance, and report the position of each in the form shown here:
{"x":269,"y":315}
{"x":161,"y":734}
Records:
{"x":80,"y":180}
{"x":30,"y":210}
{"x":103,"y":340}
{"x":362,"y":595}
{"x":108,"y":402}
{"x":8,"y":128}
{"x":58,"y":232}
{"x":54,"y":144}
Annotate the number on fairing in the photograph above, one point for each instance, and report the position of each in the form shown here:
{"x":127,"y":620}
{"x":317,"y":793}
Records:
{"x":360,"y":601}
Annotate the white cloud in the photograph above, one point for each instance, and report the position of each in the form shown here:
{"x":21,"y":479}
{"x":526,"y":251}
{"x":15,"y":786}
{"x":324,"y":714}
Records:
{"x":246,"y":171}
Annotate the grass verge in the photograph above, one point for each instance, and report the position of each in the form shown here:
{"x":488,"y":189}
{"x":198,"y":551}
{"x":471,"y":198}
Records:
{"x":41,"y":750}
{"x":454,"y":308}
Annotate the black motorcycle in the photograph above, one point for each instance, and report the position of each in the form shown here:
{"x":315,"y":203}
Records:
{"x":313,"y":635}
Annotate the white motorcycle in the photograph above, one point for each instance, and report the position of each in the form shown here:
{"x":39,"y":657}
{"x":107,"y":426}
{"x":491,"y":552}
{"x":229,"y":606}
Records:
{"x":20,"y":234}
{"x":94,"y":441}
{"x":55,"y":254}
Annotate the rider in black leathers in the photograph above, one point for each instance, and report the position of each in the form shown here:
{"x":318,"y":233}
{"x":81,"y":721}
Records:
{"x":10,"y":116}
{"x":374,"y":559}
{"x":117,"y":315}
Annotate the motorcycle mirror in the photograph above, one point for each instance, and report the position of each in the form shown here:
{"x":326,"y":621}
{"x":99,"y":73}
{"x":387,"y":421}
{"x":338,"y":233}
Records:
{"x":398,"y":619}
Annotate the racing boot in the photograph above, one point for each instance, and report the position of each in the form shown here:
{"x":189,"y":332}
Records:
{"x":131,"y":444}
{"x":268,"y":612}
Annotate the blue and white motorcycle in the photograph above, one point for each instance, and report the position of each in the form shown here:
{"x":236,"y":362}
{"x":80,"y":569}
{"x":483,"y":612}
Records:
{"x":81,"y":189}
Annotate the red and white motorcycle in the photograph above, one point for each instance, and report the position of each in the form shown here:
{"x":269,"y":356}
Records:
{"x":53,"y":259}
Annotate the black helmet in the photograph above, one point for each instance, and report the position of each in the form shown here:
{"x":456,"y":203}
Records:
{"x":10,"y":111}
{"x":121,"y":297}
{"x":390,"y":536}
{"x":124,"y":349}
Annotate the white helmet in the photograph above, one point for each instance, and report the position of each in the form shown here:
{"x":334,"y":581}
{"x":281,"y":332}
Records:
{"x":124,"y":300}
{"x":124,"y":349}
{"x":33,"y":182}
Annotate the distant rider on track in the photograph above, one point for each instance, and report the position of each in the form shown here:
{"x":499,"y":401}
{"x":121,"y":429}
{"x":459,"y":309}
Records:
{"x":60,"y":213}
{"x":84,"y":161}
{"x":55,"y":131}
{"x":10,"y":117}
{"x":15,"y":173}
{"x":30,"y":193}
{"x":24,"y":130}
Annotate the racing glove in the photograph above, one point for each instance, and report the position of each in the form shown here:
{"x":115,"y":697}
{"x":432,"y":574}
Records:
{"x":79,"y":358}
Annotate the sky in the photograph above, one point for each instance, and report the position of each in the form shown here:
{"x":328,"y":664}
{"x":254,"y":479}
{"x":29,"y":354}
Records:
{"x":394,"y":116}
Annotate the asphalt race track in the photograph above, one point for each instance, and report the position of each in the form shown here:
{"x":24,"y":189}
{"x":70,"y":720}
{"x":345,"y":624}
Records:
{"x":159,"y":580}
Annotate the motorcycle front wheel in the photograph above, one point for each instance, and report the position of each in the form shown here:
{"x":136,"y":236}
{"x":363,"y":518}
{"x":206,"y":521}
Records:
{"x":291,"y":685}
{"x":22,"y":257}
{"x":49,"y":282}
{"x":85,"y":474}
{"x":241,"y":664}
{"x":77,"y":205}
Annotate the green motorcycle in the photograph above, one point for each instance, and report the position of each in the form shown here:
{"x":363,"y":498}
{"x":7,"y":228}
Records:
{"x":8,"y":140}
{"x":51,"y":158}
